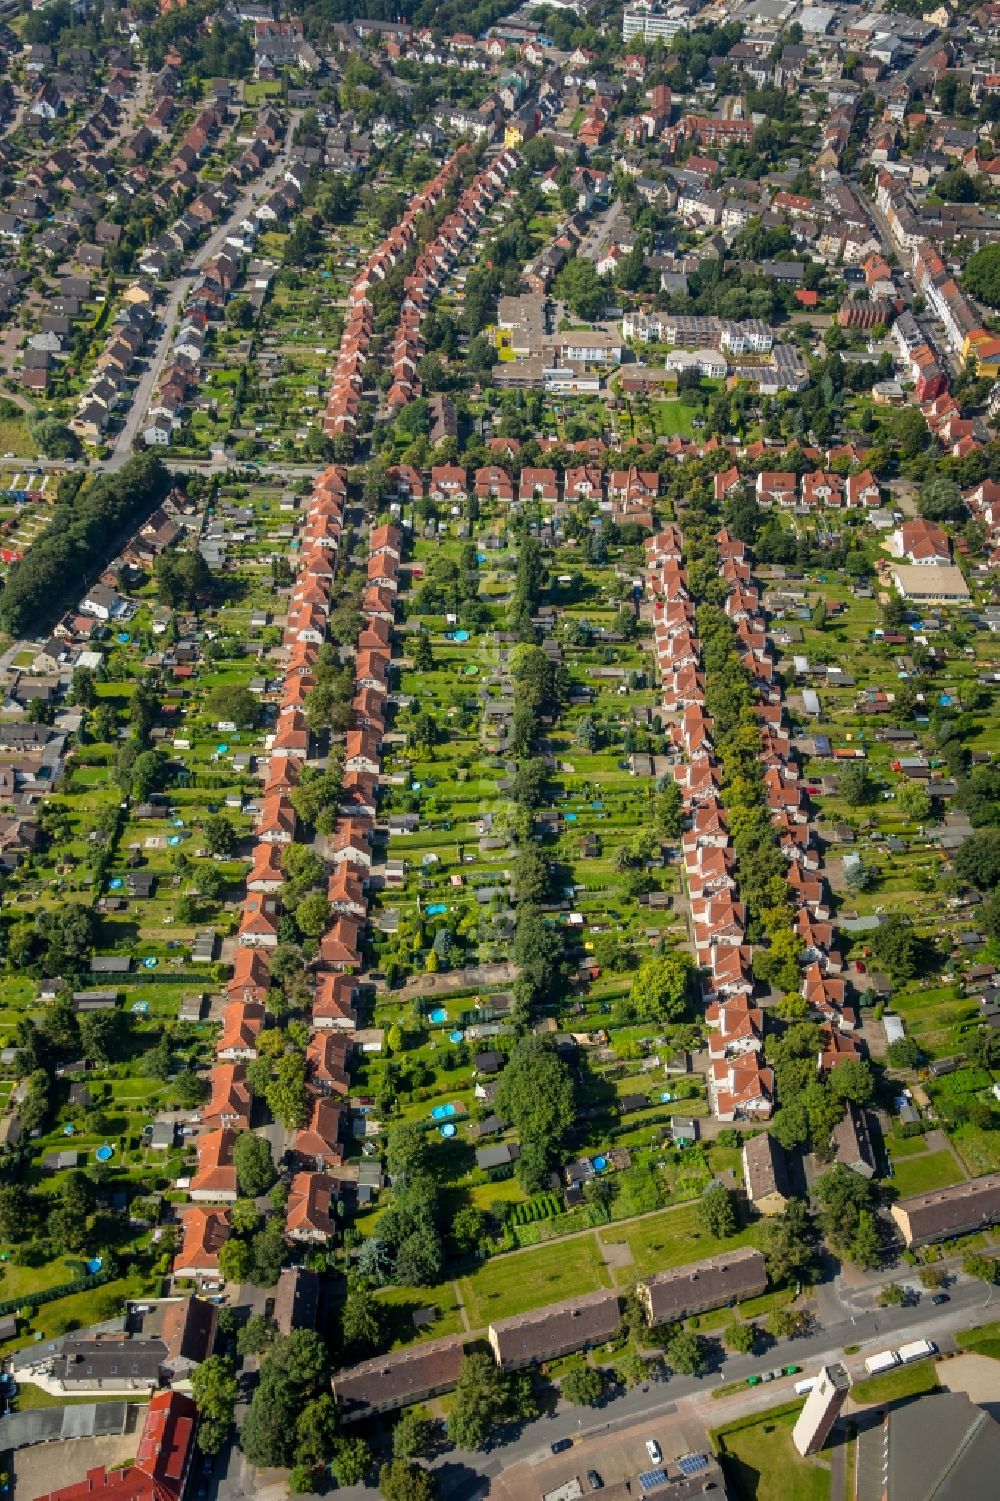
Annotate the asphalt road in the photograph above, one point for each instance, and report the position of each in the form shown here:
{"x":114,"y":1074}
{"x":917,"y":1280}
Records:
{"x":466,"y":1476}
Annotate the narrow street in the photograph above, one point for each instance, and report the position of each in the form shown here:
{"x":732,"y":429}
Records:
{"x":125,"y":439}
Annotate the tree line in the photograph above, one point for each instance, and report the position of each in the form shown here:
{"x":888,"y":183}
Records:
{"x":77,"y":540}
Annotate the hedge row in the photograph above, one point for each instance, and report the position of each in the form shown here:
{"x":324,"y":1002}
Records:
{"x":50,"y":1294}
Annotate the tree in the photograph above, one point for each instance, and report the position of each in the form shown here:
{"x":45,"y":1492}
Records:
{"x":977,"y":859}
{"x":100,"y":1035}
{"x":866,"y":1244}
{"x":854,"y":784}
{"x":401,"y":1480}
{"x":83,"y":690}
{"x":423,"y":656}
{"x":579,"y":284}
{"x":986,"y":1268}
{"x":301,"y":1359}
{"x":891,"y":1295}
{"x":352,"y":1461}
{"x":940,"y":499}
{"x":532,"y":876}
{"x":467,"y":1230}
{"x":312,"y":914}
{"x":256,"y":1335}
{"x":583,"y":1386}
{"x":407,"y":1153}
{"x":287,"y":1098}
{"x":268,"y":1251}
{"x":316,"y":1431}
{"x":413,"y":1435}
{"x":220,"y":836}
{"x":267,"y":1434}
{"x":255,"y":1170}
{"x":981,"y":276}
{"x":913,"y":802}
{"x":535,"y":1093}
{"x":905,"y":1053}
{"x":215,"y":1388}
{"x":15,"y":1212}
{"x":716,"y":1214}
{"x":244,"y":1217}
{"x":853,"y":1080}
{"x":235,"y":1262}
{"x":896,"y":947}
{"x":361,"y":1322}
{"x":661,"y":986}
{"x":740,"y":1337}
{"x":477,"y":1403}
{"x":230,"y":704}
{"x":786,"y":1323}
{"x":686,"y":1352}
{"x":844,"y":1197}
{"x":787,"y":1244}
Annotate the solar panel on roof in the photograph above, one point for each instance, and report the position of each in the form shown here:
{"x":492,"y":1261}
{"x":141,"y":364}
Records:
{"x":692,"y":1464}
{"x":650,"y":1479}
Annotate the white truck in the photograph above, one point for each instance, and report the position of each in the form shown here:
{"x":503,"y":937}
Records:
{"x":917,"y":1349}
{"x":885,"y":1361}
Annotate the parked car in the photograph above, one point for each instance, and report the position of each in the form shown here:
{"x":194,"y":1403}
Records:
{"x":940,"y":1298}
{"x":594,"y":1481}
{"x":561,"y":1444}
{"x":654,"y":1451}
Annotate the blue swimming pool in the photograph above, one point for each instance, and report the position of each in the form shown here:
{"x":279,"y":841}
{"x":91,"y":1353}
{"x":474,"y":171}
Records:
{"x":105,"y":1153}
{"x":447,"y":1130}
{"x":436,"y":908}
{"x":442,"y":1112}
{"x":600,"y":1163}
{"x":439,"y":1014}
{"x":456,"y":1036}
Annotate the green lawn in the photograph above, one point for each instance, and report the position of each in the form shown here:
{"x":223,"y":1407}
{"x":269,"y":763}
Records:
{"x":907,"y":1381}
{"x":762,"y":1463}
{"x":982,"y":1341}
{"x":401,"y":1303}
{"x":920,"y":1174}
{"x":30,"y":1397}
{"x":512,"y":1284}
{"x":672,"y":418}
{"x":670,"y":1239}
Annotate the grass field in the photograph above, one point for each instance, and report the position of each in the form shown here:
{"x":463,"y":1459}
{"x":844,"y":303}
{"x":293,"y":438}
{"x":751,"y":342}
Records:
{"x":983,"y":1341}
{"x":907,"y":1381}
{"x":672,"y":418}
{"x":922,"y":1173}
{"x":762,"y":1463}
{"x":512,"y":1284}
{"x":670,"y":1239}
{"x":31,"y":1397}
{"x":401,"y":1303}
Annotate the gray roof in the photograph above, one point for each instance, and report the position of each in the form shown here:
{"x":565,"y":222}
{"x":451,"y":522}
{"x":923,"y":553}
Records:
{"x":942,"y":1448}
{"x":547,"y":1332}
{"x":48,"y":1424}
{"x":705,"y":1284}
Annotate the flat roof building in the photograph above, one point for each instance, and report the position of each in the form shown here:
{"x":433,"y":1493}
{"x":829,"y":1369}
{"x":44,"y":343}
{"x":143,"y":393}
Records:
{"x":933,"y":584}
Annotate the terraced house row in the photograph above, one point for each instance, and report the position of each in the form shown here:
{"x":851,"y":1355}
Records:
{"x":433,"y":267}
{"x":315,"y":1148}
{"x":344,"y":402}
